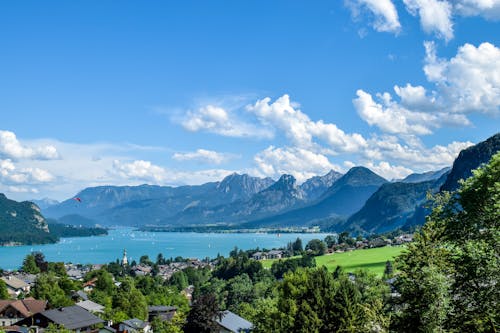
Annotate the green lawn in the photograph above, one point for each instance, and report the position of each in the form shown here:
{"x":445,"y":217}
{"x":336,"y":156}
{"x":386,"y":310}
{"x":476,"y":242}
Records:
{"x":370,"y":259}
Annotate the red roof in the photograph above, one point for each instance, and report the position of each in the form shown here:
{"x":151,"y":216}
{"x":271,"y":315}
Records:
{"x":26,"y":307}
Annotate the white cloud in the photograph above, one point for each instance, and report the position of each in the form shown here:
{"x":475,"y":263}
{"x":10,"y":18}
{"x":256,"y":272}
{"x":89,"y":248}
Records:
{"x":140,"y":170}
{"x":301,"y":130}
{"x":145,"y":171}
{"x":417,"y":158}
{"x":10,"y":147}
{"x":388,"y":171}
{"x":301,"y":163}
{"x":391,"y":117}
{"x":435,"y":16}
{"x":203,"y":155}
{"x":385,"y":15}
{"x":468,"y":82}
{"x":22,"y":189}
{"x":10,"y":174}
{"x":489,"y":9}
{"x":215,"y":119}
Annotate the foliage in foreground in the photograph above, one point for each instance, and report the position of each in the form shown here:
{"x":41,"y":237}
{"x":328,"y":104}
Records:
{"x":449,"y":275}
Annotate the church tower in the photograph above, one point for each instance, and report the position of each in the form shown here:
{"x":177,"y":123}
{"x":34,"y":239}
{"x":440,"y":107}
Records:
{"x":124,"y":259}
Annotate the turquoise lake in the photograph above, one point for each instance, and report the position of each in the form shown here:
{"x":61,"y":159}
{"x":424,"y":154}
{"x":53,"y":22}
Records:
{"x":104,"y":249}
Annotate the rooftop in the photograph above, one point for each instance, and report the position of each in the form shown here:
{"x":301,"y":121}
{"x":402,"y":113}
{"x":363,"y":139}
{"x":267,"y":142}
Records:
{"x":72,"y":317}
{"x":233,"y":322}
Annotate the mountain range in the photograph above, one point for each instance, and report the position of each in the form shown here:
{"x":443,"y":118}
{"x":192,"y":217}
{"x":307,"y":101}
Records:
{"x":360,"y":200}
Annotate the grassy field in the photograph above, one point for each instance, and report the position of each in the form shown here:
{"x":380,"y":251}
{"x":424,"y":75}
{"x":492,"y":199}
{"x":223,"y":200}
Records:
{"x":370,"y":259}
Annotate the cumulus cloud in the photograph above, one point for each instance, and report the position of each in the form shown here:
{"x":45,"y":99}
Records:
{"x":140,"y":170}
{"x":415,"y":157}
{"x":489,"y":9}
{"x":215,"y":119}
{"x":203,"y":155}
{"x":468,"y":82}
{"x":145,"y":171}
{"x":395,"y":118}
{"x":384,"y":14}
{"x":10,"y":174}
{"x":22,"y":189}
{"x":435,"y":16}
{"x":388,"y":171}
{"x":301,"y":163}
{"x":10,"y":147}
{"x":282,"y":114}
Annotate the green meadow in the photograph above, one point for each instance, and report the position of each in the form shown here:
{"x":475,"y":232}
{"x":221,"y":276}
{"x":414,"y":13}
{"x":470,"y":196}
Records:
{"x":370,"y":259}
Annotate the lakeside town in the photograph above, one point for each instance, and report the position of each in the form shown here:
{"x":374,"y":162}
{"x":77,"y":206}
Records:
{"x":21,"y":312}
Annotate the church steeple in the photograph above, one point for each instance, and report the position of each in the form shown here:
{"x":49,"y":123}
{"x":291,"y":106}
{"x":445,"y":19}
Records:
{"x":124,"y":259}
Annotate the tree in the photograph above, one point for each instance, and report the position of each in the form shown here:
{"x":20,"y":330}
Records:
{"x":389,"y":270}
{"x":40,"y":261}
{"x":169,"y":326}
{"x":202,"y":314}
{"x":297,"y":246}
{"x":144,"y":260}
{"x":344,"y":237}
{"x":305,"y":301}
{"x":29,"y":265}
{"x":47,"y":287}
{"x":472,"y":230}
{"x":316,"y":246}
{"x":104,"y":281}
{"x":57,"y":268}
{"x":239,"y":290}
{"x":331,"y":240}
{"x":449,"y":276}
{"x":160,"y":260}
{"x":4,"y":294}
{"x":178,"y":280}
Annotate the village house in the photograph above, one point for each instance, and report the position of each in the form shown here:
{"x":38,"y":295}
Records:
{"x":275,"y":254}
{"x":91,"y":306}
{"x":134,"y":326}
{"x":142,"y":270}
{"x":79,"y":295}
{"x":402,"y":239}
{"x":15,"y":286}
{"x":74,"y":318}
{"x":230,"y":322}
{"x":28,"y":278}
{"x":259,"y":256}
{"x":89,"y":285}
{"x":12,"y":311}
{"x":164,"y":313}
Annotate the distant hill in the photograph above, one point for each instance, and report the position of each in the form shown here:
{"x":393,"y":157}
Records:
{"x":470,"y":159}
{"x":314,"y":187}
{"x":347,"y":195}
{"x":148,"y":204}
{"x":22,"y":222}
{"x":283,"y":195}
{"x":426,"y":176}
{"x":391,"y":205}
{"x":94,"y":200}
{"x":65,"y":230}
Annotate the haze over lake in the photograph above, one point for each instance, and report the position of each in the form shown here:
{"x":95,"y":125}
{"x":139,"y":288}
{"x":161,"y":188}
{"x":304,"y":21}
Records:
{"x":103,"y":249}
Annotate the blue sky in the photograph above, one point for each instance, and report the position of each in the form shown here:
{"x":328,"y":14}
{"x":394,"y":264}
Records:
{"x":185,"y":92}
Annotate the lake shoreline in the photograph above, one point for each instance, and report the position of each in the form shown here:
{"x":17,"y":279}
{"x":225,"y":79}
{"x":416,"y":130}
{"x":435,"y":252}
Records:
{"x":109,"y":248}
